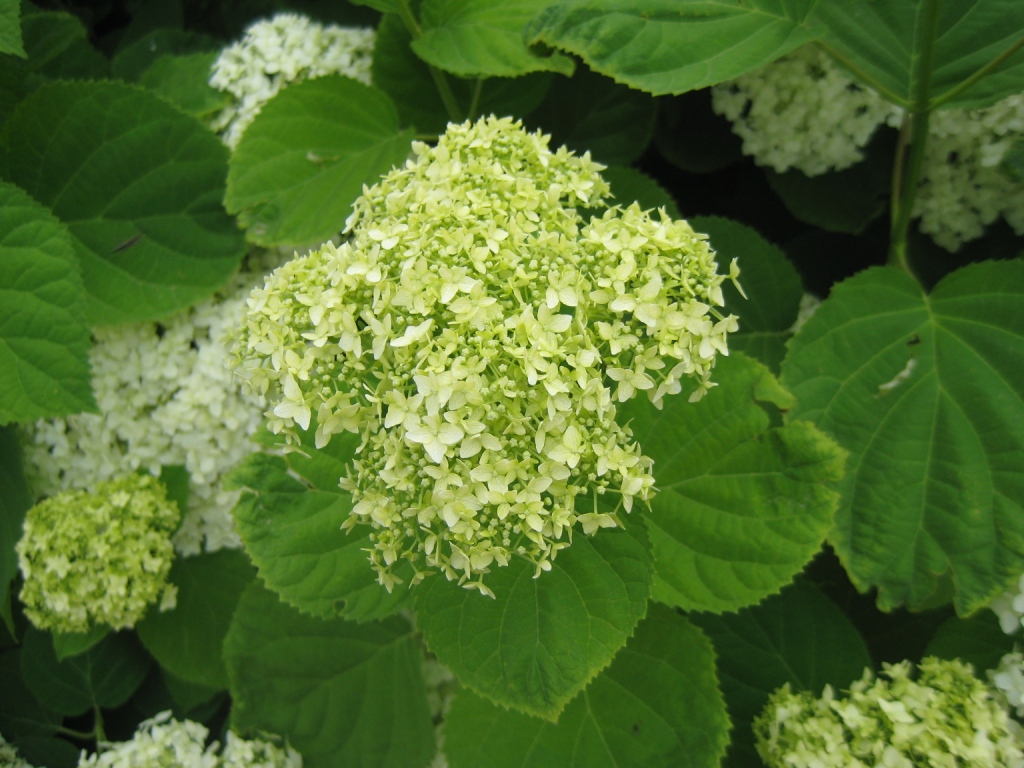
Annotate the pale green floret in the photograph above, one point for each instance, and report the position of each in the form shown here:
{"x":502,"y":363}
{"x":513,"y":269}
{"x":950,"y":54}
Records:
{"x":98,"y":558}
{"x":478,"y":333}
{"x":163,"y":742}
{"x":947,"y":718}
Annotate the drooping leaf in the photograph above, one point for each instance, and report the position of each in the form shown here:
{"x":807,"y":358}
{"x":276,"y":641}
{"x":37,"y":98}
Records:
{"x":341,"y":693}
{"x":629,"y":185}
{"x":536,"y":645}
{"x":657,"y":706}
{"x":591,"y":113}
{"x":884,"y":40}
{"x":306,"y":156}
{"x":742,"y":505}
{"x":673,"y":46}
{"x":925,"y":393}
{"x":15,"y":500}
{"x":799,"y":637}
{"x":139,"y":185}
{"x":184,"y":81}
{"x":44,"y":339}
{"x":406,"y":78}
{"x":10,"y":28}
{"x":293,"y":534}
{"x":473,"y":38}
{"x":104,"y":676}
{"x":187,"y":640}
{"x":978,"y":640}
{"x":769,"y":279}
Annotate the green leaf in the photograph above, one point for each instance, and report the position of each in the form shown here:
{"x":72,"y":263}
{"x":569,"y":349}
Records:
{"x":673,"y":46}
{"x":540,"y":640}
{"x":884,"y":40}
{"x":692,"y":137}
{"x":51,"y":752}
{"x":10,"y":28}
{"x":44,"y":339}
{"x":590,"y":113}
{"x":384,"y":6}
{"x":15,"y":500}
{"x":139,"y":185}
{"x":978,"y":640}
{"x":1013,"y":161}
{"x":187,"y":640}
{"x":406,"y":78}
{"x":187,"y":695}
{"x":471,"y":38}
{"x":341,"y":693}
{"x":629,"y":185}
{"x":742,"y":505}
{"x":799,"y":637}
{"x":304,"y":160}
{"x":66,"y":645}
{"x":293,"y":534}
{"x":925,"y":393}
{"x":104,"y":676}
{"x":176,"y":481}
{"x":656,"y":706}
{"x":132,"y":61}
{"x":58,"y":46}
{"x":184,"y":81}
{"x":21,"y":714}
{"x":769,"y":279}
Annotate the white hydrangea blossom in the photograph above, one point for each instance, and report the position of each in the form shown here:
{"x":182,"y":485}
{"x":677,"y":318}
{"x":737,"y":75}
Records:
{"x":478,"y":333}
{"x":163,"y":742}
{"x":1009,"y":607}
{"x":1008,"y":679}
{"x":273,"y":53}
{"x":947,"y":717}
{"x":962,"y":188}
{"x":9,"y":757}
{"x":802,"y":111}
{"x":441,"y":688}
{"x":165,"y":398}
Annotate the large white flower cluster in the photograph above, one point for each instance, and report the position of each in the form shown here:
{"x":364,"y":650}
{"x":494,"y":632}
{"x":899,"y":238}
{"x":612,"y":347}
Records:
{"x":273,"y":53}
{"x":802,"y":112}
{"x":165,"y":398}
{"x":163,"y":742}
{"x":98,"y":558}
{"x":947,"y":717}
{"x":478,"y":332}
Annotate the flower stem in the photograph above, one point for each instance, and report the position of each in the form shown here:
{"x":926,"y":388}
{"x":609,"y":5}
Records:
{"x":444,"y":87}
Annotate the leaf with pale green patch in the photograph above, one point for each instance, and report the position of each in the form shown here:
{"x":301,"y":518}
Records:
{"x":341,"y":693}
{"x":769,"y":279}
{"x":926,"y":393}
{"x":473,"y":38}
{"x":673,"y":46}
{"x":10,"y":28}
{"x":305,"y":158}
{"x":293,"y":534}
{"x":657,"y":706}
{"x":44,"y":339}
{"x":139,"y":185}
{"x":742,"y":504}
{"x":539,"y":641}
{"x":798,"y":637}
{"x":187,"y":640}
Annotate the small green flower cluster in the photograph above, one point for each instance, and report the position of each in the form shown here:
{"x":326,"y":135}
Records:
{"x":479,"y":332}
{"x":98,"y":558}
{"x":947,"y":718}
{"x":163,"y":742}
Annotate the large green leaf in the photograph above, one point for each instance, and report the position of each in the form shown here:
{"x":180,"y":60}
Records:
{"x":57,"y":44}
{"x":673,"y":46}
{"x":44,"y":340}
{"x":306,"y":156}
{"x":540,"y":640}
{"x":885,"y":39}
{"x":21,"y":714}
{"x":978,"y":640}
{"x":742,"y":505}
{"x":770,"y":281}
{"x":926,"y":393}
{"x":798,"y":637}
{"x":293,"y":534}
{"x":15,"y":500}
{"x":139,"y":185}
{"x":656,"y":706}
{"x":473,"y":38}
{"x":406,"y":78}
{"x":104,"y":676}
{"x":10,"y":28}
{"x":187,"y":640}
{"x":343,"y":694}
{"x":132,"y":60}
{"x":184,"y":80}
